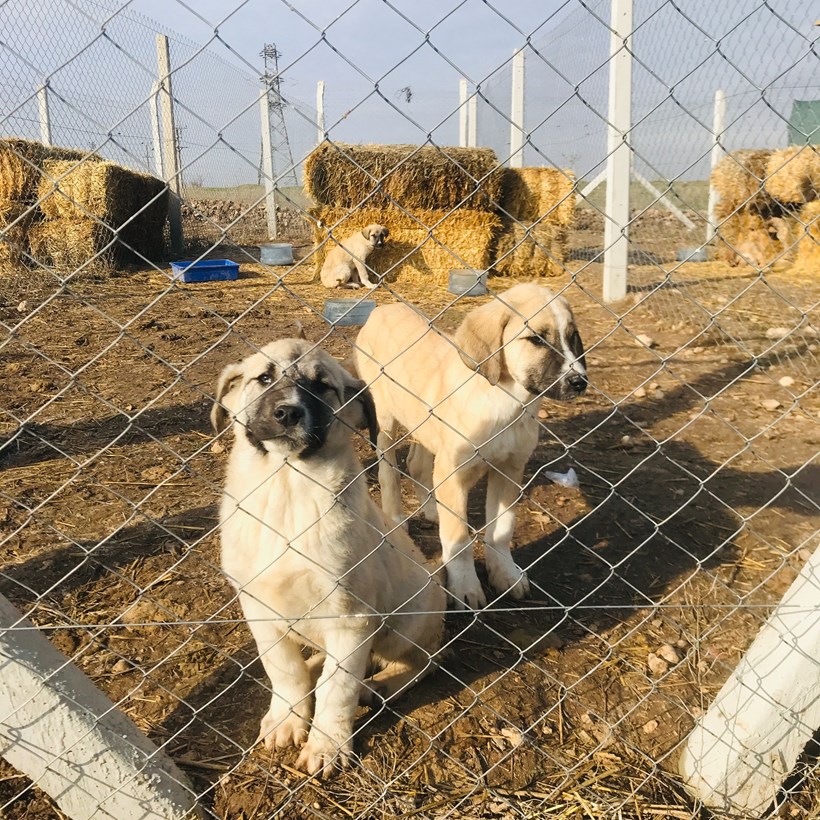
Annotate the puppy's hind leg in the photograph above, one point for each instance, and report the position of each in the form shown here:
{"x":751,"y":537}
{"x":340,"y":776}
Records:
{"x":389,"y":478}
{"x":363,"y":277}
{"x":420,"y":467}
{"x":396,"y":677}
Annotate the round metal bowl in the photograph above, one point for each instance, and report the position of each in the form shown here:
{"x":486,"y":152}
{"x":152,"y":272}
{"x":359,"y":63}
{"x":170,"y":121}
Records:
{"x":342,"y":312}
{"x":691,"y":255}
{"x":466,"y":282}
{"x":276,"y":254}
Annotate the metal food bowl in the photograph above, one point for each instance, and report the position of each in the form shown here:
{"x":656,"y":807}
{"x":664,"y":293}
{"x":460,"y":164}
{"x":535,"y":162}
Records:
{"x":276,"y":254}
{"x":342,"y":312}
{"x":691,"y":255}
{"x":466,"y":282}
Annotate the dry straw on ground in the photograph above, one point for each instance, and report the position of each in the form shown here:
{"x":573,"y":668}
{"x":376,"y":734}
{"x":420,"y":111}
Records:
{"x":411,"y":177}
{"x":425,"y":248}
{"x":530,"y":250}
{"x":738,"y":179}
{"x":793,"y":175}
{"x":533,"y":194}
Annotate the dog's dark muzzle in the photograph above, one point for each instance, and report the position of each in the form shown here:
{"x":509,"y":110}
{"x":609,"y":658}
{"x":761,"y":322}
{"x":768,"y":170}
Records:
{"x":576,"y":383}
{"x":295,"y":416}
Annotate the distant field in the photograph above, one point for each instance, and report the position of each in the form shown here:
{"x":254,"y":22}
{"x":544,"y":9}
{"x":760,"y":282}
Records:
{"x":246,"y":194}
{"x":692,"y":195}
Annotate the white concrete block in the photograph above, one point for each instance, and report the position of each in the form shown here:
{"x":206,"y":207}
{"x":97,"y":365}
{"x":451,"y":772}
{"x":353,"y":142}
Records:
{"x":748,"y":741}
{"x":70,"y":739}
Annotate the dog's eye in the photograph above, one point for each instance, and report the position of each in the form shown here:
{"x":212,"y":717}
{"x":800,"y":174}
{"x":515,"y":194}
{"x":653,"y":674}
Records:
{"x":265,"y":379}
{"x":539,"y":341}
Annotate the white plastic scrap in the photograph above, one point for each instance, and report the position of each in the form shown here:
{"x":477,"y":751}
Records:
{"x":568,"y":479}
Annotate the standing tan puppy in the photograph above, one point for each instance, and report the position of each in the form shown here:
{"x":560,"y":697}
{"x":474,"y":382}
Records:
{"x":311,"y":556}
{"x":344,"y":265}
{"x":470,"y":404}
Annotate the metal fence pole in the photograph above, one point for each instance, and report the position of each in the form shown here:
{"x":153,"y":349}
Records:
{"x":517,"y":111}
{"x":171,"y":154}
{"x":619,"y":161}
{"x":718,"y":125}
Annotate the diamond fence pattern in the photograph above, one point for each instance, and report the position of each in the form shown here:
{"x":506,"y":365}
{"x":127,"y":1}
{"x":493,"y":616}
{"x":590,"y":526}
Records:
{"x":567,"y":691}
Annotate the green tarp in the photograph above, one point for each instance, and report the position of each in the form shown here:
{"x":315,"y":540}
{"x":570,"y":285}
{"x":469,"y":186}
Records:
{"x":804,"y":123}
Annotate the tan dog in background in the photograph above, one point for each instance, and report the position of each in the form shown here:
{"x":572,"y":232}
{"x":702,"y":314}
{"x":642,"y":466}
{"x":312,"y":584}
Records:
{"x":470,"y":405}
{"x":312,"y":558}
{"x":344,"y":265}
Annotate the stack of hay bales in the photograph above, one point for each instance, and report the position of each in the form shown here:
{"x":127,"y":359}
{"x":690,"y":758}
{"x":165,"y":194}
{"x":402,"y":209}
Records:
{"x":98,"y":210}
{"x":21,"y":164}
{"x":793,"y":179}
{"x":766,"y":207}
{"x":438,"y":203}
{"x":53,"y":201}
{"x":745,"y":210}
{"x":537,"y":206}
{"x":445,"y":208}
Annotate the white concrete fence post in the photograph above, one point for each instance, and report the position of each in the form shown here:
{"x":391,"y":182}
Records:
{"x":171,"y":149}
{"x":741,"y":750}
{"x":320,"y":112}
{"x":63,"y":733}
{"x":463,"y":114}
{"x":718,"y":152}
{"x":44,"y":114}
{"x":267,"y":163}
{"x":619,"y":153}
{"x":472,"y":120}
{"x":156,"y":130}
{"x":517,"y":111}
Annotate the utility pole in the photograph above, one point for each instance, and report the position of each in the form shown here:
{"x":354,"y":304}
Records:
{"x":279,"y":143}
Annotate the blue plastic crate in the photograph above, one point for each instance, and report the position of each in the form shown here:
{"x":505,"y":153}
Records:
{"x":206,"y":270}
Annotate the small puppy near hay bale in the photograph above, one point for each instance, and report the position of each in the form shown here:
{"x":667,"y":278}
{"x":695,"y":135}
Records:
{"x":311,"y":556}
{"x":345,"y":265}
{"x":470,"y":404}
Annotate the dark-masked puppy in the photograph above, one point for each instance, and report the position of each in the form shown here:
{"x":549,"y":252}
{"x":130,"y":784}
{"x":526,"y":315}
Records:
{"x":470,"y":405}
{"x":306,"y":548}
{"x":344,"y":265}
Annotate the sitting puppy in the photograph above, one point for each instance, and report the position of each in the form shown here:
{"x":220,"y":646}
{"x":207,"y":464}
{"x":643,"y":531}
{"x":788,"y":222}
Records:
{"x":310,"y":554}
{"x":344,"y":265}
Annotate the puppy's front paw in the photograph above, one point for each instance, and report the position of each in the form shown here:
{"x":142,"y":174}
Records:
{"x":321,"y":755}
{"x":511,"y":580}
{"x":465,"y":588}
{"x":279,"y":730}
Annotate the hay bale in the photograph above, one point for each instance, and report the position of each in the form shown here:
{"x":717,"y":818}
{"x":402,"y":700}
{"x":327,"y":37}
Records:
{"x":134,"y":204}
{"x":533,"y":194}
{"x":808,"y":238}
{"x":747,"y":237}
{"x":793,"y":175}
{"x":416,"y":178}
{"x":425,"y":248}
{"x":21,"y":164}
{"x":738,"y":179}
{"x":530,"y":249}
{"x":68,"y":244}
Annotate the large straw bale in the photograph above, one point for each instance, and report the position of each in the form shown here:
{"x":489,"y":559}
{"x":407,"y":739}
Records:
{"x":539,"y":194}
{"x":530,"y":249}
{"x":417,"y":178}
{"x":738,"y":179}
{"x":424,"y":248}
{"x":747,"y":237}
{"x":793,"y":175}
{"x":808,"y":241}
{"x":68,"y":244}
{"x":21,"y":163}
{"x":134,"y":204}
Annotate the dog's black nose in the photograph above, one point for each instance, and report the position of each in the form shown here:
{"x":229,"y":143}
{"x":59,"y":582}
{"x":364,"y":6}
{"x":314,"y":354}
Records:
{"x":577,"y":382}
{"x":288,"y":414}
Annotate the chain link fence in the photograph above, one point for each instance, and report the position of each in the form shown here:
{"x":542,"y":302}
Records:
{"x":666,"y":518}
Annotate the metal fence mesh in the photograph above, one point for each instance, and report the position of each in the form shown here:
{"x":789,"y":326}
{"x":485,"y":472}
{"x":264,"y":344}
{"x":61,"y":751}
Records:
{"x":694,"y":444}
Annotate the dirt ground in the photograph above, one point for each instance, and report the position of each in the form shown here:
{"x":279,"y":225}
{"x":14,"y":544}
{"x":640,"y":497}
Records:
{"x":696,"y":509}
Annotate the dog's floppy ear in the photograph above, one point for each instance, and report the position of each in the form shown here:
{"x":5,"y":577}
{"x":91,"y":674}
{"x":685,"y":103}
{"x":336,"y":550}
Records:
{"x":366,"y":232}
{"x":228,"y":378}
{"x":359,"y":409}
{"x":480,"y":337}
{"x":385,"y":232}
